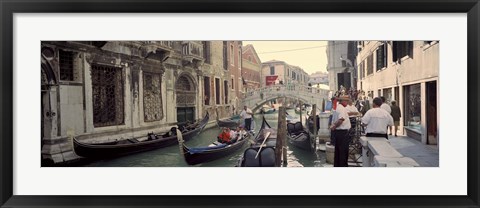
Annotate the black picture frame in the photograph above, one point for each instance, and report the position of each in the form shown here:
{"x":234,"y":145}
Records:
{"x":10,"y":7}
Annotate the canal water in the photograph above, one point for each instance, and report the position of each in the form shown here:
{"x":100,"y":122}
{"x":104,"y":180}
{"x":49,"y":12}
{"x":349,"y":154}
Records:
{"x":171,"y":157}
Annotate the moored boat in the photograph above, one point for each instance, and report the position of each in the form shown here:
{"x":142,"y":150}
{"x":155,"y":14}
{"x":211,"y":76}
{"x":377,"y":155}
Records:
{"x":196,"y":155}
{"x":299,"y":137}
{"x":134,"y":145}
{"x":262,"y":152}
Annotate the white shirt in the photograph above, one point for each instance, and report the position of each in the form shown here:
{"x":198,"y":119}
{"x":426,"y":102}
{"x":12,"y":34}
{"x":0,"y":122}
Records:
{"x":244,"y":114}
{"x":352,"y":109}
{"x":386,"y":107}
{"x":377,"y":121}
{"x":233,"y":134}
{"x":342,"y":112}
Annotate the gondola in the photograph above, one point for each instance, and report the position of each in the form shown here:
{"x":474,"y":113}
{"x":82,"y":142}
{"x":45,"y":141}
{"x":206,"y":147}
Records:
{"x":230,"y":123}
{"x":299,"y":137}
{"x":197,"y":155}
{"x":129,"y":146}
{"x":310,"y":124}
{"x":262,"y":152}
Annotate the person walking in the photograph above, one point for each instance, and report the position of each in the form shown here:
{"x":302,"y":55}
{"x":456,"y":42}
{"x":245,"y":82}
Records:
{"x":396,"y":114}
{"x":340,"y":126}
{"x":247,"y":114}
{"x":377,"y":120}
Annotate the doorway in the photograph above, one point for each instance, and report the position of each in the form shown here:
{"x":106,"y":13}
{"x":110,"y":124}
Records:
{"x":432,"y":126}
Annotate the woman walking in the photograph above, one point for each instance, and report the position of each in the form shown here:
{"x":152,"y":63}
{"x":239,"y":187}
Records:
{"x":396,"y":117}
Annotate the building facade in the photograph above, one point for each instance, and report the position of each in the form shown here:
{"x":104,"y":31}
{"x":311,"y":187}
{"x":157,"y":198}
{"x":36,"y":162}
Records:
{"x":341,"y":64}
{"x":318,"y":78}
{"x":407,"y":72}
{"x":102,"y":90}
{"x":279,"y":72}
{"x":251,"y":68}
{"x":234,"y":66}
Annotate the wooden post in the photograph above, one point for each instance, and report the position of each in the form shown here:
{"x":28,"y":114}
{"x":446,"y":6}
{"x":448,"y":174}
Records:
{"x":300,"y":111}
{"x":280,"y":148}
{"x":314,"y":116}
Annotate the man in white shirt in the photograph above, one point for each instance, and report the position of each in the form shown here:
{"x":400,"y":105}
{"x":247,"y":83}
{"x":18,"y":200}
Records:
{"x":246,"y":114}
{"x":352,"y":110}
{"x":340,"y":126}
{"x":377,"y":120}
{"x":385,"y":106}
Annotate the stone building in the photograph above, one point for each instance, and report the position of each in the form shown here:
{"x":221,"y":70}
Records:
{"x":407,"y":72}
{"x":341,"y":64}
{"x":318,"y":78}
{"x":106,"y":90}
{"x":234,"y":66}
{"x":275,"y":72}
{"x":251,"y":67}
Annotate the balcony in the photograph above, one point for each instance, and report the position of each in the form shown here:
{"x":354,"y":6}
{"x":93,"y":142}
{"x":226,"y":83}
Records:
{"x":192,"y":53}
{"x":157,"y":50}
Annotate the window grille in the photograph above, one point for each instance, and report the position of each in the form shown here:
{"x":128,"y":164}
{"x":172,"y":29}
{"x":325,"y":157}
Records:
{"x":152,"y":97}
{"x":66,"y":65}
{"x":107,"y":92}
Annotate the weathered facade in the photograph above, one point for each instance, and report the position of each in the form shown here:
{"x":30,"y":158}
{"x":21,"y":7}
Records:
{"x":98,"y":90}
{"x":407,"y":72}
{"x":281,"y":72}
{"x":251,"y":68}
{"x":234,"y":66}
{"x":341,"y":64}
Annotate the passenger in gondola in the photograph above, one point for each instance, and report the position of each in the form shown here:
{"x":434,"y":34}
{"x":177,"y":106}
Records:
{"x":224,"y":137}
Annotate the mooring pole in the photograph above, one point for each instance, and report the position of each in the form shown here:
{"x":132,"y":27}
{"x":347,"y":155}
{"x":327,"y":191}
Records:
{"x":280,"y":148}
{"x":301,"y":111}
{"x":315,"y":124}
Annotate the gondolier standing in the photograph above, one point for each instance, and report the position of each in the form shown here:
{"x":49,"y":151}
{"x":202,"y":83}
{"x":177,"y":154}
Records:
{"x":246,"y":114}
{"x":340,"y":126}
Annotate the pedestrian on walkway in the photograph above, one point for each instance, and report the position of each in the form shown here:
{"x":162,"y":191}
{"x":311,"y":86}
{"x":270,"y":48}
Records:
{"x":396,"y":114}
{"x":377,"y":120}
{"x":246,"y":114}
{"x":340,"y":126}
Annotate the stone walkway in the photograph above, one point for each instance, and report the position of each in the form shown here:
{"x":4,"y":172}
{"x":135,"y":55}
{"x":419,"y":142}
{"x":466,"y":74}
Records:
{"x":424,"y":155}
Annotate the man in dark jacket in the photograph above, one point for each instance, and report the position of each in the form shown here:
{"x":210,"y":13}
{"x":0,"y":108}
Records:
{"x":396,"y":114}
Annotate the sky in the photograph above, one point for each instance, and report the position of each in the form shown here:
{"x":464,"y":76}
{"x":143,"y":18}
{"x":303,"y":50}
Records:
{"x":311,"y":56}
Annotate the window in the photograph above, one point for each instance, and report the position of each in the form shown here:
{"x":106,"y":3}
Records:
{"x":412,"y":106}
{"x":225,"y":87}
{"x":370,"y":64}
{"x":272,"y":70}
{"x":362,"y":70}
{"x":206,"y":51}
{"x":382,"y":57}
{"x":152,"y":97}
{"x":344,"y":63}
{"x":217,"y":91}
{"x":250,"y":58}
{"x":206,"y":90}
{"x":107,"y":95}
{"x":401,"y":49}
{"x":66,"y":65}
{"x":225,"y":61}
{"x":239,"y":59}
{"x":233,"y":86}
{"x":232,"y":55}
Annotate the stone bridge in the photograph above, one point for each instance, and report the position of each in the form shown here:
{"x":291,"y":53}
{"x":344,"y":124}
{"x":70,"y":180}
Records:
{"x":311,"y":95}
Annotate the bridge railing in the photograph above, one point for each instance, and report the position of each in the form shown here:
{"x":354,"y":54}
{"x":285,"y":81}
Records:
{"x":286,"y":90}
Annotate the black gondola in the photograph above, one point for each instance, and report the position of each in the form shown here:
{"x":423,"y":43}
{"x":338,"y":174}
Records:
{"x":299,"y":137}
{"x":262,"y":152}
{"x":129,"y":146}
{"x":197,"y":155}
{"x":230,"y":123}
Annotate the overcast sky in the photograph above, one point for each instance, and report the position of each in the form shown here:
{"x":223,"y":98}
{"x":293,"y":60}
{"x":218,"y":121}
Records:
{"x":311,"y":56}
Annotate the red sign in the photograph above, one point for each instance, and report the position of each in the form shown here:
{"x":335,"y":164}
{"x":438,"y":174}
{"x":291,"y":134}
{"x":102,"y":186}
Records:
{"x":270,"y":80}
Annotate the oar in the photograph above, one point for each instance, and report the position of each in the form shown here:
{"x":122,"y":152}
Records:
{"x":265,"y":139}
{"x":180,"y":141}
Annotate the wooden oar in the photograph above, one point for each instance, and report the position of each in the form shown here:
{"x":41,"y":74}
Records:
{"x":265,"y":139}
{"x":180,"y":141}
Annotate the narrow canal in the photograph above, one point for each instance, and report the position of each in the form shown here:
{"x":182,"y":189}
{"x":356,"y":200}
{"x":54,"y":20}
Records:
{"x":171,"y":157}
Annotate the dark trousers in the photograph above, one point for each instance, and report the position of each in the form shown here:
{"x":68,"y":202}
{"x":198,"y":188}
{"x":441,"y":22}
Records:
{"x":376,"y":135}
{"x":342,"y":142}
{"x":248,"y":123}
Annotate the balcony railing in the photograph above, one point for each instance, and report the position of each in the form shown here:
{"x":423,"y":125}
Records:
{"x":160,"y":44}
{"x":192,"y":48}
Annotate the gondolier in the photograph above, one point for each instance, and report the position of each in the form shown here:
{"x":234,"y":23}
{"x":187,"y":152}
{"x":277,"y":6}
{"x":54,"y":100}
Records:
{"x":340,"y":126}
{"x":246,"y":114}
{"x":377,"y":120}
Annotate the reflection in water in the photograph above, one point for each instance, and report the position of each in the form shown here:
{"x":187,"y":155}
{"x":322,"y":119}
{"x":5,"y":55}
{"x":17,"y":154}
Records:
{"x":170,"y":156}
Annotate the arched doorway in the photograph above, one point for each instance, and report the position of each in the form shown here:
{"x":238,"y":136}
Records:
{"x":186,"y":97}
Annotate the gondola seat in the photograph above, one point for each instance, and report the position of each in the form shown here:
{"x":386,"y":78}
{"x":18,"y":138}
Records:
{"x":267,"y":157}
{"x":249,"y":158}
